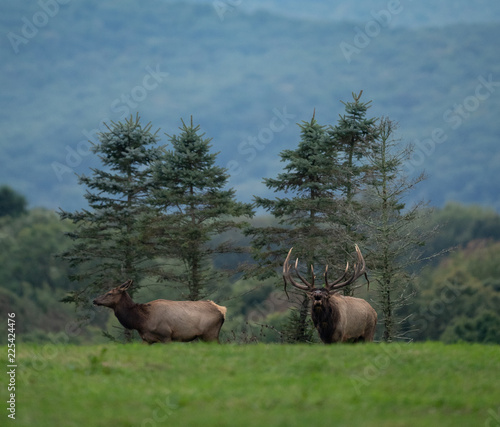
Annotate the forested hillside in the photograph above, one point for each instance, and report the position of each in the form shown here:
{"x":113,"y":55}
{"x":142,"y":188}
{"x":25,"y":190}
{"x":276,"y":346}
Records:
{"x":455,"y":299}
{"x":248,"y":79}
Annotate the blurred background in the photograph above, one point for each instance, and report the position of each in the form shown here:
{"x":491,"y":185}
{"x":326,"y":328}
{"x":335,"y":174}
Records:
{"x":248,"y":72}
{"x":239,"y":66}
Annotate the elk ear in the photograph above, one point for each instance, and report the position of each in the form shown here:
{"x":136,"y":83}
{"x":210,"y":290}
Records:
{"x":126,"y":285}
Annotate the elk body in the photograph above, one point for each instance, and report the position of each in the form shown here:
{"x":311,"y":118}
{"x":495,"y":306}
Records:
{"x":163,"y":320}
{"x":337,"y":318}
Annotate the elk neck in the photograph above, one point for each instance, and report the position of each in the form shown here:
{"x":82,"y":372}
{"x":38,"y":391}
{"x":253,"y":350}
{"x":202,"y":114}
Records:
{"x":326,"y":317}
{"x":130,"y":314}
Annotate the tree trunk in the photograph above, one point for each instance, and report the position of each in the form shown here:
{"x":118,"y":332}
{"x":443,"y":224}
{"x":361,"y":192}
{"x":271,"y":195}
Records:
{"x":302,"y":335}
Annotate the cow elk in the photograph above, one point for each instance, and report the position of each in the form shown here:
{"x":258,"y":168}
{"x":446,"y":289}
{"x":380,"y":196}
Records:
{"x":163,"y":320}
{"x":337,"y":318}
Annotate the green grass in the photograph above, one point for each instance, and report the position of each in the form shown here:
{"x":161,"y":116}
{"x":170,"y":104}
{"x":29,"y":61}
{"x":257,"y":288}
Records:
{"x":201,"y":384}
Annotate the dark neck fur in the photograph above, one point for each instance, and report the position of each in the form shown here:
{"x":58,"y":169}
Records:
{"x":130,"y":314}
{"x":325,"y":318}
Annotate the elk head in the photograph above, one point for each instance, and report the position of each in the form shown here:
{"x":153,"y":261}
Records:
{"x":111,"y":298}
{"x":320,"y":296}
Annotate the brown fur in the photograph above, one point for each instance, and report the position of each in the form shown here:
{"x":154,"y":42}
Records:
{"x":164,"y":320}
{"x":337,"y":318}
{"x":342,"y":319}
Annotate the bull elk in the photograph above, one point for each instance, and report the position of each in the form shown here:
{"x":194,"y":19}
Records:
{"x":163,"y":320}
{"x":337,"y":318}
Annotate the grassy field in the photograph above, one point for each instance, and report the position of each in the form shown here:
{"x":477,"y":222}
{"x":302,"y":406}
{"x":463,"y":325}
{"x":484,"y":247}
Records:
{"x":201,"y":384}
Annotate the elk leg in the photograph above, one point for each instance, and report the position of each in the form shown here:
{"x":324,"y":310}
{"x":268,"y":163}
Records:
{"x":151,"y":338}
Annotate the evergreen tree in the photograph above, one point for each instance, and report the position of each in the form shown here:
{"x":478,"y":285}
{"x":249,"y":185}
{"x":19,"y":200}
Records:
{"x":393,"y":229}
{"x":194,"y":208}
{"x":312,"y":176}
{"x":305,"y":219}
{"x":108,"y":246}
{"x":355,"y":139}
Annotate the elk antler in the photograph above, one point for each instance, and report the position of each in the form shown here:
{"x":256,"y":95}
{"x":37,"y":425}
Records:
{"x":359,"y":270}
{"x":287,"y":276}
{"x":329,"y":285}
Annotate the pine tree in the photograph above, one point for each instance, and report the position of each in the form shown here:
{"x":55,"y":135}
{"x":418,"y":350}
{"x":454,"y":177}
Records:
{"x":355,"y":139}
{"x":393,"y":229}
{"x":194,"y":208}
{"x":311,"y":175}
{"x":108,"y":246}
{"x":305,"y":219}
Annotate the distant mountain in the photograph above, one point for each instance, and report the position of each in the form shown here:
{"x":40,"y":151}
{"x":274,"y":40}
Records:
{"x":405,"y":13}
{"x":247,"y":79}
